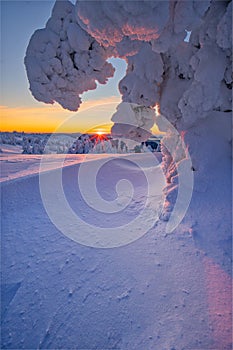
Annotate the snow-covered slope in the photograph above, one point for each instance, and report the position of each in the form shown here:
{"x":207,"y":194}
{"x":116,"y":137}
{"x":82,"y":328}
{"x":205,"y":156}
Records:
{"x":159,"y":292}
{"x":16,"y":166}
{"x":10,"y":149}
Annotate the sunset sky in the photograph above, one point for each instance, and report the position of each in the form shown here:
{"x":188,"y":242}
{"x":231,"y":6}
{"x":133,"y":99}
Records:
{"x":19,"y":110}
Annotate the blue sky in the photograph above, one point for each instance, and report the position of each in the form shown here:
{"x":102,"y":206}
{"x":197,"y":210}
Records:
{"x":19,"y":19}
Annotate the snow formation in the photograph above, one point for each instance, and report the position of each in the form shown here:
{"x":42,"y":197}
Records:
{"x":163,"y":291}
{"x":63,"y":61}
{"x":190,"y":80}
{"x":133,"y":122}
{"x":69,"y":55}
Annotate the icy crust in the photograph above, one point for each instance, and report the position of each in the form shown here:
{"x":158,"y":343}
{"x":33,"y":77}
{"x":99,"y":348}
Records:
{"x":63,"y":61}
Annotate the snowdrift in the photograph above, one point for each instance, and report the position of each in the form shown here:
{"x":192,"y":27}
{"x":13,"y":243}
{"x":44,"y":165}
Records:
{"x":161,"y":291}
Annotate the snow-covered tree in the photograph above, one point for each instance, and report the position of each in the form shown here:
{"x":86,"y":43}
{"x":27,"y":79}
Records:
{"x":190,"y":80}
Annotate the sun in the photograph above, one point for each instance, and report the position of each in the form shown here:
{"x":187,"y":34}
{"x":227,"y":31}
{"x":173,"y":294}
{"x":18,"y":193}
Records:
{"x":99,"y":132}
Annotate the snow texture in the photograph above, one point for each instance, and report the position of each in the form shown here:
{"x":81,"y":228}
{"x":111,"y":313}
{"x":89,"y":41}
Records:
{"x":111,"y":22}
{"x":15,"y":165}
{"x":63,"y":61}
{"x":161,"y":292}
{"x":192,"y":83}
{"x":69,"y":55}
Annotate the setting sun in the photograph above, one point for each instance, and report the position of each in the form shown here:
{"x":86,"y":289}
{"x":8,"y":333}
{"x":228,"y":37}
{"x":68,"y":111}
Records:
{"x":99,"y":132}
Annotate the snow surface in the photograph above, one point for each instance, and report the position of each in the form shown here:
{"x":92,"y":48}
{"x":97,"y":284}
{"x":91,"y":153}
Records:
{"x":16,"y":166}
{"x":10,"y":149}
{"x":159,"y":292}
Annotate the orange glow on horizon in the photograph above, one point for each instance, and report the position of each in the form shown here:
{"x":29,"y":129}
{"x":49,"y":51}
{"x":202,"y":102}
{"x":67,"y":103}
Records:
{"x":93,"y":117}
{"x":48,"y":118}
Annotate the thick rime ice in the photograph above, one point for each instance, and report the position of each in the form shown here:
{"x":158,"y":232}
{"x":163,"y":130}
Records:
{"x":70,"y":54}
{"x":133,"y":122}
{"x":63,"y":61}
{"x":111,"y":21}
{"x":143,"y":77}
{"x":191,"y":81}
